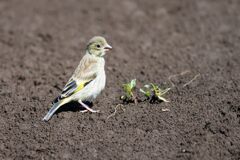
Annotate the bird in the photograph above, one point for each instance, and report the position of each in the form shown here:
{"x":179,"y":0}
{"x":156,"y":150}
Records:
{"x":88,"y":79}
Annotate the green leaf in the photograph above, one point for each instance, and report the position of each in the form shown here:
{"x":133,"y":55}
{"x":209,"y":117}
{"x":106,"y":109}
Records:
{"x":153,"y":89}
{"x":146,"y":93}
{"x":133,"y":83}
{"x":128,"y":89}
{"x":141,"y":90}
{"x":163,"y":99}
{"x":164,"y":91}
{"x":147,"y":86}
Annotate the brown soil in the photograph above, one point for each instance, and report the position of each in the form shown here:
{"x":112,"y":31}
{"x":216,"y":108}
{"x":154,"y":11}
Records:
{"x":41,"y":42}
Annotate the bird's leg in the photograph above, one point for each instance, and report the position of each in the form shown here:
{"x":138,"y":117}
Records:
{"x":88,"y":108}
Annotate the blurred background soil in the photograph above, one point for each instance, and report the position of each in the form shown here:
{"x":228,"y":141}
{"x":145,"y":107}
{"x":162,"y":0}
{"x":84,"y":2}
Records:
{"x":42,"y":41}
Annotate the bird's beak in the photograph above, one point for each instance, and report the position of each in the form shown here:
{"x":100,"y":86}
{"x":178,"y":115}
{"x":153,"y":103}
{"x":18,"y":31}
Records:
{"x":107,"y":47}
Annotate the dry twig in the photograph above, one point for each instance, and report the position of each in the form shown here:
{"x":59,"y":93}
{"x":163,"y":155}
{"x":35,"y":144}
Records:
{"x":165,"y":110}
{"x":115,"y":110}
{"x":194,"y":78}
{"x":175,"y":75}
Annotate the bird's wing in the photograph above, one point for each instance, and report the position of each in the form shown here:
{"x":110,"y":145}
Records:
{"x":83,"y":75}
{"x":74,"y":86}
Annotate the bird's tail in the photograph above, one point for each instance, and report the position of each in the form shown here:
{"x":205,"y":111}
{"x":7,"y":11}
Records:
{"x":54,"y":108}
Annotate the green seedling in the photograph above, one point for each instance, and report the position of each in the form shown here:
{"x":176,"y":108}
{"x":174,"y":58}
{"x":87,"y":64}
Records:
{"x":128,"y":89}
{"x":153,"y":92}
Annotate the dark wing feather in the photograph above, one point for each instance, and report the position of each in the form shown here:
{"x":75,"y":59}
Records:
{"x":70,"y":88}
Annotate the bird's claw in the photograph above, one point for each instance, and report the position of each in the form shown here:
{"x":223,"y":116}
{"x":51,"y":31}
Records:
{"x":92,"y":111}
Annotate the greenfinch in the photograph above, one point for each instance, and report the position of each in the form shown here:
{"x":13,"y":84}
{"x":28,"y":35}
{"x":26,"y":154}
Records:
{"x":88,"y":80}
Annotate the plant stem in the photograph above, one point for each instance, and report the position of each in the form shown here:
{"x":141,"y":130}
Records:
{"x":134,"y":98}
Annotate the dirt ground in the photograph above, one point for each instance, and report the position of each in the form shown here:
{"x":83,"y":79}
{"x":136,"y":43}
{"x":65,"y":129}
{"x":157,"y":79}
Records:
{"x":42,"y":41}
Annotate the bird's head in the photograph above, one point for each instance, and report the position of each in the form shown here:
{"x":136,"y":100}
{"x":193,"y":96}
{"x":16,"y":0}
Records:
{"x":98,"y":46}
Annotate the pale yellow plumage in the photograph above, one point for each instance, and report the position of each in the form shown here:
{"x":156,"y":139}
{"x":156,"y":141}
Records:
{"x":88,"y":80}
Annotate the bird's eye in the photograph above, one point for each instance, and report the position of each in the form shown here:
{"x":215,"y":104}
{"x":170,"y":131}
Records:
{"x":98,"y":46}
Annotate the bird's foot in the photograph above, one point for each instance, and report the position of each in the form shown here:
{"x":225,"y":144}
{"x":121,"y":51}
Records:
{"x":83,"y":111}
{"x":87,"y":108}
{"x":94,"y":111}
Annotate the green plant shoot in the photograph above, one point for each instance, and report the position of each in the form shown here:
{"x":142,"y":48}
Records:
{"x":128,"y":89}
{"x":152,"y":92}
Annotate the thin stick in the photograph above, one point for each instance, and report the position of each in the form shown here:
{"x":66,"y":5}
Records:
{"x":194,"y":78}
{"x":115,"y":111}
{"x":175,"y":75}
{"x":165,"y":110}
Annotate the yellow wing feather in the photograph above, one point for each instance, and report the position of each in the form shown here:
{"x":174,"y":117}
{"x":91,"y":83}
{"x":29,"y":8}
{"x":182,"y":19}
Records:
{"x":81,"y":86}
